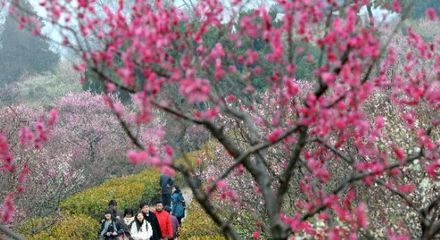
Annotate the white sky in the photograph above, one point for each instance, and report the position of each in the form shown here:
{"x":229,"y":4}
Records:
{"x":377,"y":12}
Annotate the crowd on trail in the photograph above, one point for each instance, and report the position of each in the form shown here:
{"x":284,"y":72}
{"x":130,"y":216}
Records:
{"x":159,"y":220}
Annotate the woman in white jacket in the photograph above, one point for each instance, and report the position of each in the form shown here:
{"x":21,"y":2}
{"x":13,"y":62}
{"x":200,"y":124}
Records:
{"x":140,"y":229}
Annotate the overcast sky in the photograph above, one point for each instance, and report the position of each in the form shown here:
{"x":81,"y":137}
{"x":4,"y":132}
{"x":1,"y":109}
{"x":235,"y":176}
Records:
{"x":377,"y":12}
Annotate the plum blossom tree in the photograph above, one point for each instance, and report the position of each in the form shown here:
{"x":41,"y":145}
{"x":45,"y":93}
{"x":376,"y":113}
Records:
{"x":85,"y":130}
{"x":57,"y":168}
{"x":45,"y":185}
{"x":22,"y":133}
{"x":321,"y":139}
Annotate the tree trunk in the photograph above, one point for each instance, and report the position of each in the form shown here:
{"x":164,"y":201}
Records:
{"x":280,"y":231}
{"x":9,"y":233}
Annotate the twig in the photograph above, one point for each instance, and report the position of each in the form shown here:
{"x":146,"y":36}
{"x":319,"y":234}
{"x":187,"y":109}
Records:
{"x":9,"y":233}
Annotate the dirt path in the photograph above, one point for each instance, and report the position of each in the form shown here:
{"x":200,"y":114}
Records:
{"x":188,"y":196}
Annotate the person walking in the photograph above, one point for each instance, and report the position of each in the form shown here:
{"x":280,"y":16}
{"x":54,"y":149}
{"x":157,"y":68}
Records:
{"x":174,"y":222}
{"x":126,"y":223}
{"x":178,"y":204}
{"x":140,"y":229}
{"x":164,"y":219}
{"x":166,"y":185}
{"x":151,"y":218}
{"x":110,"y":228}
{"x":113,"y":207}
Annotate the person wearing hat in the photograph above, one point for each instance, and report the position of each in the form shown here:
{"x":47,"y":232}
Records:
{"x":113,"y":207}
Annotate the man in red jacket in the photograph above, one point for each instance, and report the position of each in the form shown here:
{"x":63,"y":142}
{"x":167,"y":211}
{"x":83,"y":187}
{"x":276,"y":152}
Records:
{"x":164,"y":219}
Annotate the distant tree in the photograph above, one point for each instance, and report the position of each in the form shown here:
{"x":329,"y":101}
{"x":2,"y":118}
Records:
{"x":418,"y":9}
{"x":21,"y":52}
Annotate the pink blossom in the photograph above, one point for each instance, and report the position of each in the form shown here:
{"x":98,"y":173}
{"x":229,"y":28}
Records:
{"x":217,"y":51}
{"x":273,"y":136}
{"x":328,"y":78}
{"x":169,"y":150}
{"x":432,"y":169}
{"x":195,"y":90}
{"x":23,"y":174}
{"x":25,"y":136}
{"x":219,"y":72}
{"x":393,"y":236}
{"x":409,"y":117}
{"x":406,"y":188}
{"x":137,"y":158}
{"x":400,"y":154}
{"x":79,"y":67}
{"x":361,"y":215}
{"x":396,"y":6}
{"x":111,"y":87}
{"x":380,"y":122}
{"x":333,"y":235}
{"x":251,"y":57}
{"x":53,"y":117}
{"x":83,"y":3}
{"x":211,"y":113}
{"x":231,"y":98}
{"x":256,"y":235}
{"x":292,"y":87}
{"x":222,"y":184}
{"x":7,"y":209}
{"x":127,"y":76}
{"x":5,"y":153}
{"x":167,"y":171}
{"x":431,"y":14}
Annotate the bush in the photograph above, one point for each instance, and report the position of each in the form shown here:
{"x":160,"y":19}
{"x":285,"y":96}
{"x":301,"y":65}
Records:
{"x":198,"y":225}
{"x":219,"y":237}
{"x":127,"y":191}
{"x":190,"y":161}
{"x":79,"y":227}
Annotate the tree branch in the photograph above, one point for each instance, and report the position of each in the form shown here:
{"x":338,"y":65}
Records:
{"x":360,"y":176}
{"x":9,"y":233}
{"x":288,"y":173}
{"x":347,"y":159}
{"x":203,"y":199}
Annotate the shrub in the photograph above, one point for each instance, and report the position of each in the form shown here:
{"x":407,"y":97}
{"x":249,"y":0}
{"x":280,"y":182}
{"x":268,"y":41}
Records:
{"x":190,"y":161}
{"x":79,"y":227}
{"x":198,"y":225}
{"x":219,"y":237}
{"x":128,"y":191}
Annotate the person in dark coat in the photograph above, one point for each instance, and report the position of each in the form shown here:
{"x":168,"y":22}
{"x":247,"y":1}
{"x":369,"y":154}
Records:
{"x":166,"y":185}
{"x":178,"y":204}
{"x":151,"y":218}
{"x":113,"y":207}
{"x":110,"y":228}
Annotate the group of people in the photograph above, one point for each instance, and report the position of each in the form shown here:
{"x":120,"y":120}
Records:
{"x":161,"y":224}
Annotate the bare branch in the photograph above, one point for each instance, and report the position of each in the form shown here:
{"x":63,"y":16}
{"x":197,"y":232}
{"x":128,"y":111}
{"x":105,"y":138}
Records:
{"x":203,"y":199}
{"x":9,"y":233}
{"x":288,"y":173}
{"x":360,"y":176}
{"x":344,"y":157}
